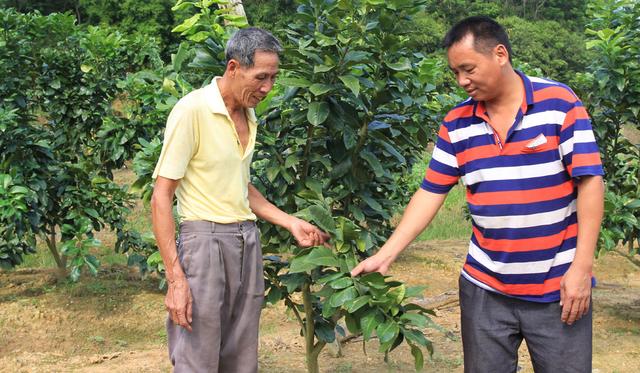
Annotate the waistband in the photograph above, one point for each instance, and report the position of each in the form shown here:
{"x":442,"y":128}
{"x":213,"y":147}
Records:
{"x":203,"y":226}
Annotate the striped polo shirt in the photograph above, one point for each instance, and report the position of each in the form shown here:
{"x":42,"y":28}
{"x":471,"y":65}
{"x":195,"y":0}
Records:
{"x":521,"y":194}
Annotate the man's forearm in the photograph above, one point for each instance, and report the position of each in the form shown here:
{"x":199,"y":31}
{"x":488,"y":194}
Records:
{"x":164,"y":232}
{"x":590,"y":206}
{"x":417,"y":216}
{"x":266,"y":210}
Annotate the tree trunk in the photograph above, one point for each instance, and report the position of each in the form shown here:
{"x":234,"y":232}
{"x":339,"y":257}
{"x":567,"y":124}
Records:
{"x":61,"y":260}
{"x":235,"y":6}
{"x":309,"y":334}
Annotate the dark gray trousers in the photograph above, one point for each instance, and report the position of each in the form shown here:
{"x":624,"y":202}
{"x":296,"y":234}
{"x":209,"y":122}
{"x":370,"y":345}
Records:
{"x":223,"y":265}
{"x":494,"y":325}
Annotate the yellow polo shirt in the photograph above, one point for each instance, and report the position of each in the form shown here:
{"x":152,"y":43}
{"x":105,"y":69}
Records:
{"x":202,"y":149}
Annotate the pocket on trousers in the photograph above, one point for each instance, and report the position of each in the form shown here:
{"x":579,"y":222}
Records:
{"x":259,"y":270}
{"x":186,"y":251}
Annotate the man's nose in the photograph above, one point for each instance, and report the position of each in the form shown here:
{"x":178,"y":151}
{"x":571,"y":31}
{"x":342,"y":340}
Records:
{"x":463,"y":81}
{"x":266,"y":87}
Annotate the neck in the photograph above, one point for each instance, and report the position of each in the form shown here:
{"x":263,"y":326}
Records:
{"x":232,"y":104}
{"x":506,"y":98}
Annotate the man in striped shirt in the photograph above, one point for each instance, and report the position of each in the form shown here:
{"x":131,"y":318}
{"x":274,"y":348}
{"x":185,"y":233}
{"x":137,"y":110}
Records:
{"x":525,"y":151}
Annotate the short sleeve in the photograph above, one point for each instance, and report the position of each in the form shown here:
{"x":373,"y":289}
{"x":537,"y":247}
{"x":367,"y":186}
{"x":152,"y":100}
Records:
{"x":179,"y":145}
{"x":578,"y":148}
{"x":443,"y":172}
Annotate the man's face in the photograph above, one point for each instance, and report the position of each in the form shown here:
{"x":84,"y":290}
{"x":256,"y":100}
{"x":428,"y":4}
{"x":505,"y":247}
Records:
{"x":476,"y":72}
{"x":251,"y":84}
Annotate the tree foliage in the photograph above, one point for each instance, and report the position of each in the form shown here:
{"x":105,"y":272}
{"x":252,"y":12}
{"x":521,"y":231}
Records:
{"x":353,"y":108}
{"x":61,"y":135}
{"x":612,"y":90}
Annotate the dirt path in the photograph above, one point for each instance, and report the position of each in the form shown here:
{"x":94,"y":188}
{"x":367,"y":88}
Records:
{"x":115,"y":323}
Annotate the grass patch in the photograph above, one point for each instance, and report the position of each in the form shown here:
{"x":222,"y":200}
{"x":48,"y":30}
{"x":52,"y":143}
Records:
{"x":450,"y":223}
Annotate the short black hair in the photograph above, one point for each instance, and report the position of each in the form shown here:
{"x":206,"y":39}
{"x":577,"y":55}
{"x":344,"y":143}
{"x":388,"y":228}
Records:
{"x":486,"y":32}
{"x":244,"y":44}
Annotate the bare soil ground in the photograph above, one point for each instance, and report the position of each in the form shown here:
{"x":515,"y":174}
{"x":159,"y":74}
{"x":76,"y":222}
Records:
{"x":115,"y":323}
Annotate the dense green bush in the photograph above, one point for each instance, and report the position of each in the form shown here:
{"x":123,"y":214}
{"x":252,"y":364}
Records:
{"x":559,"y":54}
{"x":58,"y":141}
{"x":612,"y":91}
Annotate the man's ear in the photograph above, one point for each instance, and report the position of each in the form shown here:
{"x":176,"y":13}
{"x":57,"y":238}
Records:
{"x":232,"y":66}
{"x":501,"y":53}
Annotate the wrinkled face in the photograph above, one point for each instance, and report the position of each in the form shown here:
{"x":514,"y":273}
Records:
{"x":478,"y":73}
{"x":251,"y":84}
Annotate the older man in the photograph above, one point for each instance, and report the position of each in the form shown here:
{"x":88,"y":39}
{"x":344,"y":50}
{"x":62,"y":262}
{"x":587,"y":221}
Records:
{"x":525,"y":150}
{"x":214,"y":271}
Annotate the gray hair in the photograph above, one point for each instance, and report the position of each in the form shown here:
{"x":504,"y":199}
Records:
{"x":245,"y":42}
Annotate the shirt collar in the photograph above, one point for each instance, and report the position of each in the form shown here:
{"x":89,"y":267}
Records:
{"x":479,"y":109}
{"x":216,"y":103}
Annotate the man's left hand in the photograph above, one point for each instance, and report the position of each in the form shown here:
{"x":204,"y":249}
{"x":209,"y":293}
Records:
{"x":575,"y":294}
{"x":306,"y":234}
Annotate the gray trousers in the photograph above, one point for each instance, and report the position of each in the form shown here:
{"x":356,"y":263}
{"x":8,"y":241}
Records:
{"x":494,"y":325}
{"x":223,"y":265}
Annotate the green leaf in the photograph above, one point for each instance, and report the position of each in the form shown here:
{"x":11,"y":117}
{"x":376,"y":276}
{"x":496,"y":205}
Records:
{"x":322,"y":256}
{"x":339,"y":298}
{"x":320,"y":89}
{"x":397,"y":294}
{"x":633,"y":204}
{"x":294,"y":82}
{"x":324,"y":332}
{"x":341,"y":283}
{"x":293,"y":281}
{"x":389,"y":148}
{"x":373,"y":162}
{"x":315,"y":186}
{"x":416,"y":319}
{"x":180,"y":56}
{"x":322,"y":218}
{"x":188,"y":23}
{"x":418,"y":357}
{"x":387,"y":331}
{"x":374,"y":279}
{"x":329,"y":278}
{"x":369,"y":322}
{"x":91,"y":212}
{"x":372,"y":203}
{"x":318,"y":113}
{"x":403,"y":64}
{"x":274,"y":295}
{"x":416,"y":336}
{"x":355,"y":304}
{"x":351,"y":82}
{"x":300,"y":264}
{"x":18,"y":189}
{"x":322,"y":68}
{"x":352,"y":324}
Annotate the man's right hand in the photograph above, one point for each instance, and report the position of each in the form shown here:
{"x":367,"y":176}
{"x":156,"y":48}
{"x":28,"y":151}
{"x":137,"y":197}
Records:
{"x":376,"y":263}
{"x":179,"y":301}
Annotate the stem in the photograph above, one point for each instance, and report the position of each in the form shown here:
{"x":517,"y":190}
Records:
{"x":51,"y":244}
{"x":289,"y":303}
{"x":61,"y":260}
{"x":362,"y":139}
{"x":312,"y":350}
{"x":292,"y":305}
{"x":307,"y":150}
